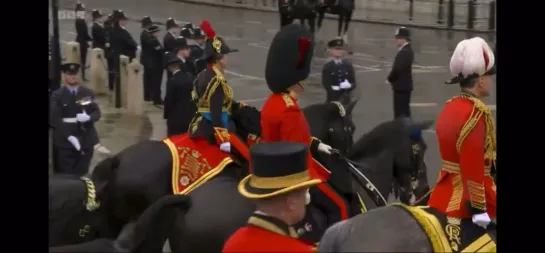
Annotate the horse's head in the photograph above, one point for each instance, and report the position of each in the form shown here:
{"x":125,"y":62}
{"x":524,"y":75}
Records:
{"x":247,"y":123}
{"x":397,"y":148}
{"x":74,"y":213}
{"x":332,"y":124}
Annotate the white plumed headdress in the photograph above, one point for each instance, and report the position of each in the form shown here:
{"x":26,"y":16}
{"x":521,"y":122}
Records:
{"x":471,"y":58}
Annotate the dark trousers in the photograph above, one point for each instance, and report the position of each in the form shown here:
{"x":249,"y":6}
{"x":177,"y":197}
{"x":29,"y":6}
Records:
{"x":156,"y":77}
{"x":83,"y":57}
{"x":111,"y":73}
{"x":147,"y":83}
{"x":402,"y":100}
{"x":71,"y":161}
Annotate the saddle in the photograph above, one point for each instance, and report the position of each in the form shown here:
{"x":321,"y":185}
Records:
{"x":450,"y":234}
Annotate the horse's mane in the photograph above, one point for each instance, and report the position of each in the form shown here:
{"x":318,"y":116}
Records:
{"x":380,"y":137}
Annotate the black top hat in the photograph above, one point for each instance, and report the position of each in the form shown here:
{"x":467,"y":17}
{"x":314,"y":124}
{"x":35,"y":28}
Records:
{"x":119,"y":15}
{"x":289,"y":58}
{"x":277,"y":168}
{"x":96,"y":14}
{"x":153,"y":28}
{"x":171,"y":58}
{"x":146,"y":21}
{"x":337,"y":43}
{"x":186,"y":32}
{"x":180,"y":43}
{"x":70,"y":68}
{"x":403,"y":32}
{"x":215,"y":46}
{"x":171,"y":23}
{"x":197,"y":33}
{"x":80,"y":7}
{"x":189,"y":26}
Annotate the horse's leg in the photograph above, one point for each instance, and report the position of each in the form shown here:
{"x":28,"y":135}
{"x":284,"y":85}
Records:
{"x":312,"y":24}
{"x":347,"y":19}
{"x":321,"y":15}
{"x":339,"y":24}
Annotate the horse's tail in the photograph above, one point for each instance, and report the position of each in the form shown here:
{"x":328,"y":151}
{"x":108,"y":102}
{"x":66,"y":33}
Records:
{"x":104,"y":170}
{"x":155,"y":224}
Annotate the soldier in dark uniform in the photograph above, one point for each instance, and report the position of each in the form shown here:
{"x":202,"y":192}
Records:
{"x":108,"y":27}
{"x":401,"y":75}
{"x":338,"y":75}
{"x":183,"y":52}
{"x":197,"y":49}
{"x":152,"y":54}
{"x":82,"y":36}
{"x":122,"y":40}
{"x":213,"y":95}
{"x":72,"y":115}
{"x":170,"y":37}
{"x":146,"y":53}
{"x":98,"y":31}
{"x":179,"y":106}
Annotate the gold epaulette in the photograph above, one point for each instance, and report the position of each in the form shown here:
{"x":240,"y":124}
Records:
{"x":479,"y":110}
{"x":288,"y":100}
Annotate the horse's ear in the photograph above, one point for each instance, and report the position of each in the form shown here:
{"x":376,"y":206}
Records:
{"x":350,"y":106}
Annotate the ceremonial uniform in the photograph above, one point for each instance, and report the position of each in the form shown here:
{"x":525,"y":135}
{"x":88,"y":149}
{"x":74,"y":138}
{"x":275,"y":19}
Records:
{"x":197,"y":52}
{"x":144,"y":58}
{"x":338,"y":76}
{"x":288,"y":63}
{"x":109,"y":52}
{"x":467,"y":142}
{"x":213,"y":95}
{"x":169,"y":40}
{"x":72,"y":116}
{"x":98,"y":32}
{"x":277,"y":168}
{"x":122,"y":41}
{"x":82,"y":37}
{"x":152,"y":58}
{"x":401,"y":76}
{"x":179,"y":108}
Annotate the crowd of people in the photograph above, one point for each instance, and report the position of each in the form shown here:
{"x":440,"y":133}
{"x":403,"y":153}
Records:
{"x":200,"y":101}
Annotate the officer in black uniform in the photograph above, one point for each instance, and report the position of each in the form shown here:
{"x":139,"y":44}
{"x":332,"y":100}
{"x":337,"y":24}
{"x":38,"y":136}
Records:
{"x":401,"y":75}
{"x":338,"y":75}
{"x":82,"y":36}
{"x":197,"y":49}
{"x":109,"y":53}
{"x":170,"y":37}
{"x":183,"y":52}
{"x":122,"y":40}
{"x":145,"y":37}
{"x":72,"y":115}
{"x":152,"y":55}
{"x":98,"y":32}
{"x":179,"y":106}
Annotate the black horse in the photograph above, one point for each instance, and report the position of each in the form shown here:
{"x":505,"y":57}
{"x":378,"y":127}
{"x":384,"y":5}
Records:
{"x":290,"y":10}
{"x":146,"y":235}
{"x":129,"y":182}
{"x":343,"y":8}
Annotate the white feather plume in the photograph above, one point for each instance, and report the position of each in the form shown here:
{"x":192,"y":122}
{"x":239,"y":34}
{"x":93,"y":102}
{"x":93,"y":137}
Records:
{"x":468,"y":57}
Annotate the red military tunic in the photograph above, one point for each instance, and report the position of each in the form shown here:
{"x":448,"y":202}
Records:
{"x":265,"y":234}
{"x":467,"y":144}
{"x":283,"y":120}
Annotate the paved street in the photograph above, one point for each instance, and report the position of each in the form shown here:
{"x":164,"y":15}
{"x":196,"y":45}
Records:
{"x":251,"y":32}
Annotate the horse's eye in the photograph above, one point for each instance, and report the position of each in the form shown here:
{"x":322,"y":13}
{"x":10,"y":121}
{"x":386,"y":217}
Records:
{"x":331,"y":130}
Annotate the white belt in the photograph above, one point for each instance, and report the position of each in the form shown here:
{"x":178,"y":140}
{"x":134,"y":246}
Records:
{"x":69,"y":120}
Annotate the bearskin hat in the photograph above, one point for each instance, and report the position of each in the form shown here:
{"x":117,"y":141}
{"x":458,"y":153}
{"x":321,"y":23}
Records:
{"x":215,"y":46}
{"x":289,"y":58}
{"x":471,"y":58}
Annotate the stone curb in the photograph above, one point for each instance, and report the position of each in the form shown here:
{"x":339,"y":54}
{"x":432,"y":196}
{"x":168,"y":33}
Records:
{"x":328,"y":16}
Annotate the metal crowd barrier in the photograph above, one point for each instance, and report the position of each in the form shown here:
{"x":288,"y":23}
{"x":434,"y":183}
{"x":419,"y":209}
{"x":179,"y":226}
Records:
{"x":478,"y":15}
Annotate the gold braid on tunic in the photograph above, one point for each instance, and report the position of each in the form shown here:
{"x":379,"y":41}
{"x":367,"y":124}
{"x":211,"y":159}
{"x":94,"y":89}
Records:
{"x":203,"y":103}
{"x":476,"y":190}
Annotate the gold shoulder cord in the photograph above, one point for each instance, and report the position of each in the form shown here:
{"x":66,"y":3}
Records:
{"x":91,"y":204}
{"x":479,"y":109}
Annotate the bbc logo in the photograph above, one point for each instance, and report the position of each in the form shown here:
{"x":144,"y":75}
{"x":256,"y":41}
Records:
{"x":70,"y":15}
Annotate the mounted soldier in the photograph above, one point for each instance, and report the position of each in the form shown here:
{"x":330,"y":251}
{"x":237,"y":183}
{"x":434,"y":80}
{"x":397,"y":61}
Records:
{"x":213,"y":95}
{"x":338,"y":75}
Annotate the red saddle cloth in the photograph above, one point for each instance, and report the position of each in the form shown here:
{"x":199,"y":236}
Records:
{"x":194,"y":162}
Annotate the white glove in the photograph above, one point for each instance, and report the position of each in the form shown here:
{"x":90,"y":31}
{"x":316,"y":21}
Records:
{"x":324,"y":148}
{"x":345,"y":85}
{"x":226,"y":147}
{"x":75,"y":142}
{"x":307,"y":197}
{"x":102,"y":149}
{"x":481,"y":219}
{"x":82,"y":117}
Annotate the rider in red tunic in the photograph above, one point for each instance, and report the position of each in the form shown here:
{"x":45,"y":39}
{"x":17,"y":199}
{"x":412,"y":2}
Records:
{"x":467,"y":142}
{"x":288,"y":64}
{"x":278,"y":184}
